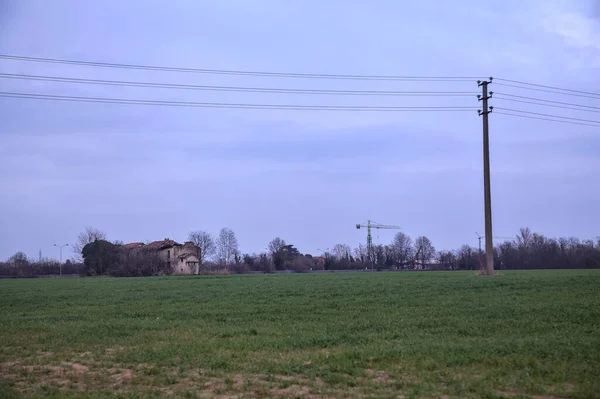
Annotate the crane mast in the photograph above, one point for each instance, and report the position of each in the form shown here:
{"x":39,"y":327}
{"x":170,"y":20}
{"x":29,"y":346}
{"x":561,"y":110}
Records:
{"x":372,"y":225}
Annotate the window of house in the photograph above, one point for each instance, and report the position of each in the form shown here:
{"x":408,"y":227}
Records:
{"x":168,"y":254}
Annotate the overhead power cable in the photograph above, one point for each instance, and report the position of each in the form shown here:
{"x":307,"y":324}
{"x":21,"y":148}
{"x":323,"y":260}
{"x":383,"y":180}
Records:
{"x":229,"y":105}
{"x":238,"y":72}
{"x":548,"y":87}
{"x":233,"y":88}
{"x":544,"y":100}
{"x":596,"y":97}
{"x":546,"y":105}
{"x":544,"y":119}
{"x":557,"y":117}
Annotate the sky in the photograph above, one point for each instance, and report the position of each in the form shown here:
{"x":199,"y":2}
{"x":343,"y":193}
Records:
{"x":144,"y":173}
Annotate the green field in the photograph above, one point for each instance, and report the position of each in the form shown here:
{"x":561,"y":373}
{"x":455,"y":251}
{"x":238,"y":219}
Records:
{"x":440,"y":334}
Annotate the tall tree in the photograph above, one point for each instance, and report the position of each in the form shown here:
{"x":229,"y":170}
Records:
{"x":19,"y":259}
{"x":276,"y":245}
{"x":101,"y":257}
{"x":424,"y":250}
{"x":525,"y":238}
{"x":402,"y":248}
{"x":277,"y":251}
{"x":341,"y":251}
{"x":227,"y":246}
{"x":447,"y":259}
{"x":379,"y":256}
{"x":360,"y":253}
{"x":89,"y":235}
{"x":205,"y":243}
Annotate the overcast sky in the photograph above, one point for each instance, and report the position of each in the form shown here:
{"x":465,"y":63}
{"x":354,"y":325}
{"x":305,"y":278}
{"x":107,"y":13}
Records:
{"x":146,"y":173}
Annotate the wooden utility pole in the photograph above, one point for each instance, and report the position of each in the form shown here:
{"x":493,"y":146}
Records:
{"x":489,"y":245}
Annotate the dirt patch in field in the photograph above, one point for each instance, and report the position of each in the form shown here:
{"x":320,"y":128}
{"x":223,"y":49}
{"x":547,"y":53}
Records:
{"x":120,"y":376}
{"x":378,"y":376}
{"x":62,"y":377}
{"x":513,"y":394}
{"x":250,"y":385}
{"x":114,"y":350}
{"x":293,"y":391}
{"x":80,"y":368}
{"x":30,"y":380}
{"x":238,"y":382}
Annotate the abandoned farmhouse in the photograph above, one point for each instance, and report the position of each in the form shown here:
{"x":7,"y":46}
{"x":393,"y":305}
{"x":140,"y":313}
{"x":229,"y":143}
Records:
{"x":183,"y":258}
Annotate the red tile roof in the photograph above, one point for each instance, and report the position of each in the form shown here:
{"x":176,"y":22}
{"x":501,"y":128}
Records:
{"x":133,"y":245}
{"x":164,"y":244}
{"x":155,"y":245}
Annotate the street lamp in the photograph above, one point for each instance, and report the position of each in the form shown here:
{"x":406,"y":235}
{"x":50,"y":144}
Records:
{"x":60,"y":264}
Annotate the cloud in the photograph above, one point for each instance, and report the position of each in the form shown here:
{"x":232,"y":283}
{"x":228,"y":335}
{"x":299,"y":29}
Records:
{"x":579,"y":33}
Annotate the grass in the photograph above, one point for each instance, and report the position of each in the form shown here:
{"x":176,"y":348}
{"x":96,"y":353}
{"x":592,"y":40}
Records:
{"x":527,"y":334}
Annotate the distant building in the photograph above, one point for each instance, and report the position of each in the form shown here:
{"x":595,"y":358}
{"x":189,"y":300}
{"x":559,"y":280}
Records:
{"x":183,"y":258}
{"x":319,"y":261}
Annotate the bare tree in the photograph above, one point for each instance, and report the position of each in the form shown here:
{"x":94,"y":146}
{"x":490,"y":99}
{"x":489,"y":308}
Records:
{"x":424,"y":250}
{"x":341,"y":251}
{"x":447,"y":259}
{"x":19,"y":259}
{"x":276,"y":245}
{"x":525,"y":238}
{"x":87,"y":236}
{"x":227,"y":245}
{"x":360,"y":253}
{"x":525,"y":242}
{"x":205,"y":243}
{"x":468,"y":258}
{"x":277,"y":251}
{"x":402,"y":249}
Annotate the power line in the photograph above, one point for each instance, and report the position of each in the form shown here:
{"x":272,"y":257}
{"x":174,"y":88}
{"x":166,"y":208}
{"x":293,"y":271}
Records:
{"x":543,"y":119}
{"x":232,"y":88}
{"x":547,"y":115}
{"x":546,"y":105}
{"x":548,"y":87}
{"x":548,"y":91}
{"x":546,"y":101}
{"x":229,"y":105}
{"x":238,"y":72}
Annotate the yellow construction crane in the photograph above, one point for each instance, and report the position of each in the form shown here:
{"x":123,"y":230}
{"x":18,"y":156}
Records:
{"x":373,"y":225}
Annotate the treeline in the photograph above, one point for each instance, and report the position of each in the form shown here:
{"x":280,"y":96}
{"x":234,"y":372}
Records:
{"x":528,"y":250}
{"x":535,"y":251}
{"x":19,"y":266}
{"x":221,"y":255}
